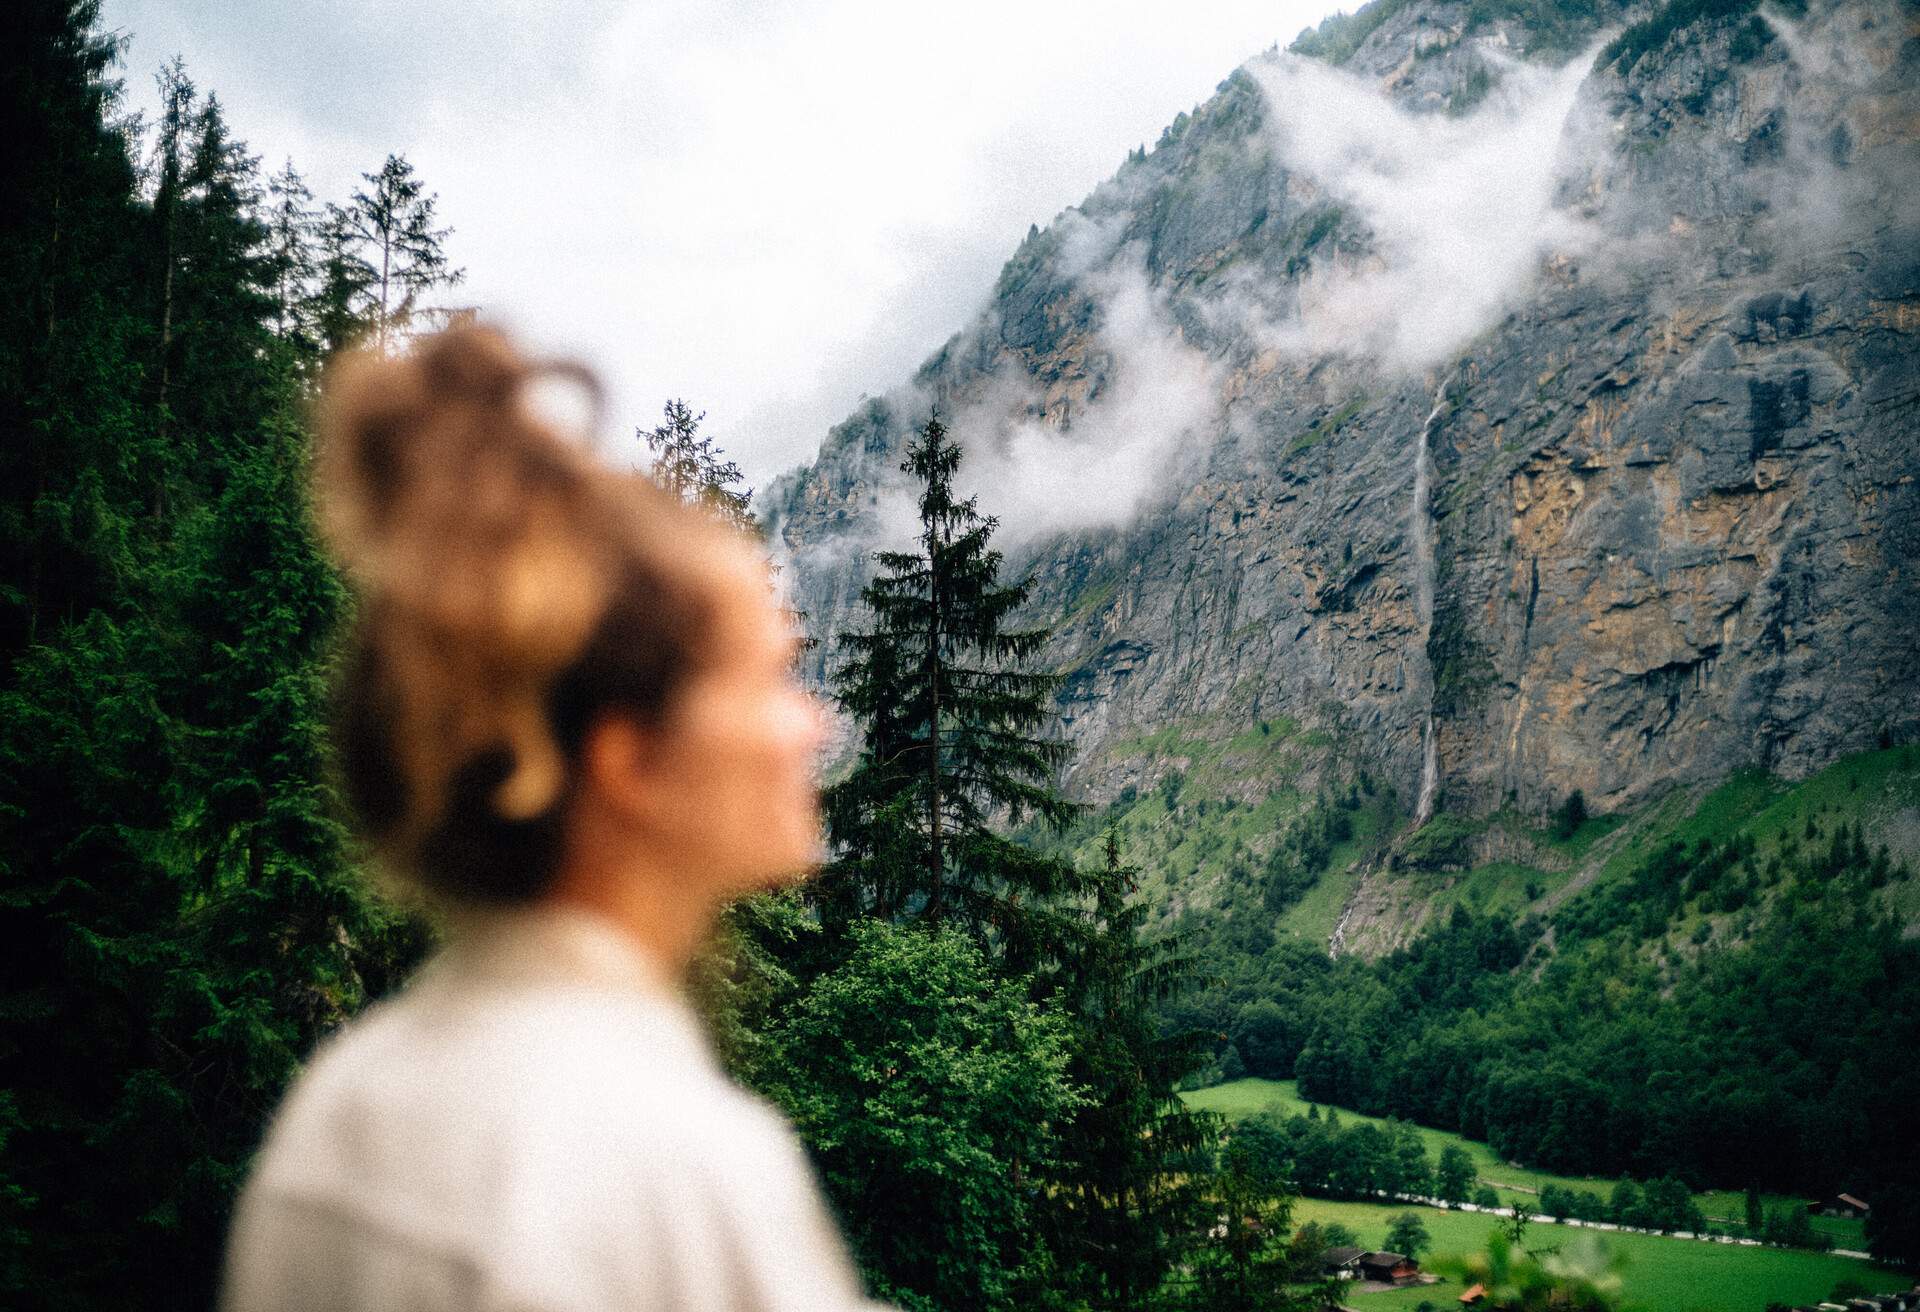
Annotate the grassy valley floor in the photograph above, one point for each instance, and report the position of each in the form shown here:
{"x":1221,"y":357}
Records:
{"x":1516,"y":1185}
{"x":1659,"y":1273}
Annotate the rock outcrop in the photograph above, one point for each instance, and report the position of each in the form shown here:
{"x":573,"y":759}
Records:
{"x":1675,"y":501}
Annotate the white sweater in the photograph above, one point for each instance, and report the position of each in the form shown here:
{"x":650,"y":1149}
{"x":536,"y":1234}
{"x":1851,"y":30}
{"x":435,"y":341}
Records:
{"x":536,"y":1124}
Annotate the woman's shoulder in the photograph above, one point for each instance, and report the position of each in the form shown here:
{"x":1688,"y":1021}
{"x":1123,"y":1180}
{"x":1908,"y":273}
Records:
{"x":499,"y":1096}
{"x":542,"y":1138}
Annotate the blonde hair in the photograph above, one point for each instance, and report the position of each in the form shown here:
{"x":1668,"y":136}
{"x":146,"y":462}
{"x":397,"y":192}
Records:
{"x":511,"y":587}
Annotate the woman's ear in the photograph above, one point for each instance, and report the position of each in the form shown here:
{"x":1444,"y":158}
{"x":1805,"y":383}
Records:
{"x":619,"y":767}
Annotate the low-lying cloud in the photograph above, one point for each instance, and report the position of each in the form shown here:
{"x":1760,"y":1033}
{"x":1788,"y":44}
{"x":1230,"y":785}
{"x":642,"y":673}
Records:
{"x":1461,"y":210}
{"x":1160,"y":399}
{"x":1460,"y":213}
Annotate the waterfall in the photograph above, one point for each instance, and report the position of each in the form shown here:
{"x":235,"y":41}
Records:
{"x":1422,"y":527}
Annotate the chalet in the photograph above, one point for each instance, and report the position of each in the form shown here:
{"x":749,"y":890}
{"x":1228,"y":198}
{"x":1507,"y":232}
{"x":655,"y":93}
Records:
{"x":1840,"y":1205}
{"x":1473,"y":1295}
{"x":1388,"y":1268}
{"x":1341,"y":1261}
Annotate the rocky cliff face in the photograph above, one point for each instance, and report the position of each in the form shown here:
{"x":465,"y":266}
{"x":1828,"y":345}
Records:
{"x":1655,"y":315}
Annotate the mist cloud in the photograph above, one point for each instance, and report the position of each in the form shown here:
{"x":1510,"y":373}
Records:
{"x":1159,"y":404}
{"x":1461,"y":210}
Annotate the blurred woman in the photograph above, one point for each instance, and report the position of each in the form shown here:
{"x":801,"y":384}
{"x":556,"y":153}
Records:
{"x":567,"y":716}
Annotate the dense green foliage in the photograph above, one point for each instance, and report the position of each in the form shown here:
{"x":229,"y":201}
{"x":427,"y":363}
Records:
{"x":979,"y":1037}
{"x":1729,"y":1010}
{"x":1408,"y":1235}
{"x":1250,"y":1263}
{"x":183,"y":920}
{"x":950,"y":718}
{"x":1128,"y":1194}
{"x":951,"y":747}
{"x":928,"y":1089}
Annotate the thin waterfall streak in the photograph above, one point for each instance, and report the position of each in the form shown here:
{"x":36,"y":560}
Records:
{"x":1429,"y":773}
{"x":1424,"y":583}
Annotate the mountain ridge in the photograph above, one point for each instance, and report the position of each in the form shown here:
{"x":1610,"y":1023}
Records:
{"x":1674,"y":478}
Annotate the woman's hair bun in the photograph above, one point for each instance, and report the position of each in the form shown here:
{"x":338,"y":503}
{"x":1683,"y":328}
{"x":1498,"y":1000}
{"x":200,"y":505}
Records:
{"x":414,"y":447}
{"x":485,"y":539}
{"x":472,"y":364}
{"x":510,"y":585}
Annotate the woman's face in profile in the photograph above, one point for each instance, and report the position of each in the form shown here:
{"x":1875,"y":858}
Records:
{"x":737,"y":756}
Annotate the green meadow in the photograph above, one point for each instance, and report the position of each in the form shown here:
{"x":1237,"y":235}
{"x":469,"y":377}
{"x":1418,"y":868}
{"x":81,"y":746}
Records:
{"x":1657,"y":1274}
{"x":1239,"y":1099}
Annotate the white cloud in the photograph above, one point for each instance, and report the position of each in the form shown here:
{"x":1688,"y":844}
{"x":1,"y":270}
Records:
{"x":1159,"y":402}
{"x":1461,"y":209}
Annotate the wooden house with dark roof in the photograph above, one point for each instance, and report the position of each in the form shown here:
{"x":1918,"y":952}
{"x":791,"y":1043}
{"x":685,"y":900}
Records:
{"x":1388,"y":1268}
{"x":1841,"y":1205}
{"x":1341,"y":1261}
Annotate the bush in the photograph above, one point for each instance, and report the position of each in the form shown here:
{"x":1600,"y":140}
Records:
{"x":913,"y":1071}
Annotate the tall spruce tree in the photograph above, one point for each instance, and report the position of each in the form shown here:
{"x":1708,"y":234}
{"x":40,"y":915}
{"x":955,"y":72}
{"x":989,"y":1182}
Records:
{"x":340,"y":285}
{"x":74,"y":348}
{"x":1128,"y":1195}
{"x":1243,"y":1260}
{"x":293,"y":262}
{"x":390,"y":232}
{"x":686,"y":463}
{"x":950,"y":723}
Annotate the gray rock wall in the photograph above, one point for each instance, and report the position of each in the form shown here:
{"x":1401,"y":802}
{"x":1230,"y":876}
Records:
{"x":1677,"y":483}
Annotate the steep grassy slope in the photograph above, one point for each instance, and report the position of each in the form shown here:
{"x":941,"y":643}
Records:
{"x":1203,"y":848}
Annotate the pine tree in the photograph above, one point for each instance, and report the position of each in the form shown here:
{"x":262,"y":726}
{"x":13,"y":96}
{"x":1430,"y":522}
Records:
{"x":688,"y":464}
{"x":178,"y":100}
{"x":401,"y":254}
{"x":950,"y":744}
{"x":1244,"y":1261}
{"x":339,"y":301}
{"x":224,"y":370}
{"x":183,"y":920}
{"x":73,"y":348}
{"x":293,"y":264}
{"x":1126,"y":1200}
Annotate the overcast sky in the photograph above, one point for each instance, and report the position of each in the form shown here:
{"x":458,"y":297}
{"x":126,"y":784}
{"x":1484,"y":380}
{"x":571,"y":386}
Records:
{"x":768,"y":207}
